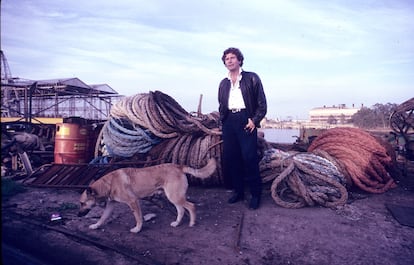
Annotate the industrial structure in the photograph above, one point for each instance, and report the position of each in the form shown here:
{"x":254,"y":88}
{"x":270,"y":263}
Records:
{"x":49,"y":101}
{"x":33,"y":111}
{"x":320,"y":117}
{"x":332,"y":115}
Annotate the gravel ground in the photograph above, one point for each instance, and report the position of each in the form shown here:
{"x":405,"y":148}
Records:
{"x":362,"y":232}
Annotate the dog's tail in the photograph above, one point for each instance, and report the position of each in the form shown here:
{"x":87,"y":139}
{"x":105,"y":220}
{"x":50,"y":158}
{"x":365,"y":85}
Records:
{"x":203,"y":172}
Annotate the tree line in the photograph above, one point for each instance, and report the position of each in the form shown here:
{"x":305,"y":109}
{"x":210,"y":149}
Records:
{"x":378,"y":116}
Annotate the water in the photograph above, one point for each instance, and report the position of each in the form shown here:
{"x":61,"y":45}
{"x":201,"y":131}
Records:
{"x":283,"y":136}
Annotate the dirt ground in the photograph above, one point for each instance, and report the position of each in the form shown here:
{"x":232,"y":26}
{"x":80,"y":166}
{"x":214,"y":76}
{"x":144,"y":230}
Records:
{"x":362,"y":232}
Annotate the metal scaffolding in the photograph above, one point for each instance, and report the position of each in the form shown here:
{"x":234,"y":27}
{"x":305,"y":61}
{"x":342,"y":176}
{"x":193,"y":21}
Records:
{"x":30,"y":100}
{"x":59,"y":98}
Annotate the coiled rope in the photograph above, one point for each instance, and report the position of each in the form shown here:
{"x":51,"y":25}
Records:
{"x":124,"y":139}
{"x":162,"y":115}
{"x":336,"y":160}
{"x":305,"y":180}
{"x":362,"y":158}
{"x":154,"y":124}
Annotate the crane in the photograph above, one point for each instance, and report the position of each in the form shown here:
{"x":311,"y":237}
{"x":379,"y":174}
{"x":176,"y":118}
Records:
{"x":5,"y":69}
{"x":6,"y":78}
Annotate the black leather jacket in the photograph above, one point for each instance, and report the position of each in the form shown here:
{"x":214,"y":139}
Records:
{"x":253,"y":96}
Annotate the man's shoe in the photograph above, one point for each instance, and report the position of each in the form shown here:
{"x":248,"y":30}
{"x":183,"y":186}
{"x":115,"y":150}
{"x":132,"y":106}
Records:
{"x":254,"y":203}
{"x":235,"y":198}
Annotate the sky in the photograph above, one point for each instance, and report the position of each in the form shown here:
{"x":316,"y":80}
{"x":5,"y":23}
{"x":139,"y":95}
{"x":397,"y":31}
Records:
{"x":307,"y":53}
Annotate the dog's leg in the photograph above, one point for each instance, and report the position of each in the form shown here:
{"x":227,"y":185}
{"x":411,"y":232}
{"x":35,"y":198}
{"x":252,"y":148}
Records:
{"x":180,"y":214}
{"x":106,"y":213}
{"x":136,"y":210}
{"x":191,"y":209}
{"x":176,"y":194}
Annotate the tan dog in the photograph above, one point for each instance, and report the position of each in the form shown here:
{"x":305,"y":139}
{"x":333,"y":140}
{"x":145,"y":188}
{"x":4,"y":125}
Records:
{"x":128,"y":185}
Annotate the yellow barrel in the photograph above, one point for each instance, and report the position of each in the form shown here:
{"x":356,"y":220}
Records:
{"x":71,"y":143}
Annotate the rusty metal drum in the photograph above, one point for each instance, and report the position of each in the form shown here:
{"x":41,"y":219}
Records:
{"x":72,"y":143}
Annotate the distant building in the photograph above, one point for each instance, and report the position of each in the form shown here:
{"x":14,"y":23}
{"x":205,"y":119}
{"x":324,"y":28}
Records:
{"x":332,"y":115}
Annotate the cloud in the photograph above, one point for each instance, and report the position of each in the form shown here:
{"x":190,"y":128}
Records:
{"x":308,"y":53}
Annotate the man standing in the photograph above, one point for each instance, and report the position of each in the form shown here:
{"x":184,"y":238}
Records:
{"x":242,"y":105}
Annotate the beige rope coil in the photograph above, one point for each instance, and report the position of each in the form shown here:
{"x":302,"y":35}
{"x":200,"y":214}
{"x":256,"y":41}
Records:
{"x":309,"y":180}
{"x":154,"y":124}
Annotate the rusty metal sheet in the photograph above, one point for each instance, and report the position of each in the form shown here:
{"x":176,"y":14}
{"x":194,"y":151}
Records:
{"x":76,"y":175}
{"x":68,"y":175}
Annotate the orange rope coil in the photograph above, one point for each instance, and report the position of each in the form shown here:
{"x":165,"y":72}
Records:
{"x":362,"y":158}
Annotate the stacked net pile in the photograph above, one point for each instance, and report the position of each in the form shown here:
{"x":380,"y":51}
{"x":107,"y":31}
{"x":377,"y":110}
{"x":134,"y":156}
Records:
{"x":154,"y":124}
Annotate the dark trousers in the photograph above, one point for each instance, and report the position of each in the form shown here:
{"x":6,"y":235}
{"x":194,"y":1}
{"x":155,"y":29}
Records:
{"x":241,"y":162}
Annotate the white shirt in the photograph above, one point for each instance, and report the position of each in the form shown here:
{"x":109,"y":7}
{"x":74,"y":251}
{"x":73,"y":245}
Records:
{"x":235,"y":97}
